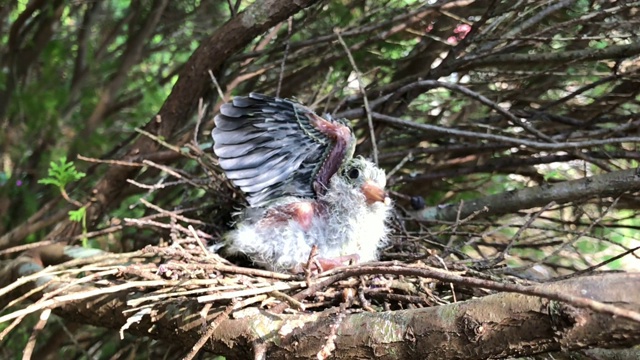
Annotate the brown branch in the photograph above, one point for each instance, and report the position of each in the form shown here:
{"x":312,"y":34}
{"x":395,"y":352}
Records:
{"x":548,"y":58}
{"x":403,"y":20}
{"x":500,"y":138}
{"x":609,"y":184}
{"x":43,"y":218}
{"x":504,"y":324}
{"x":79,"y":66}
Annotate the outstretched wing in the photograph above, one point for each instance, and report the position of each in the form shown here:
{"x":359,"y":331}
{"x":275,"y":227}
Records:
{"x":271,"y":147}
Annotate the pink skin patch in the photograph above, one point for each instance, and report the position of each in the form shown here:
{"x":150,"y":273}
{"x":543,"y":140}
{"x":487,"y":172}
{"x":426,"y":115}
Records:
{"x":328,"y":264}
{"x":325,"y":264}
{"x":301,"y":212}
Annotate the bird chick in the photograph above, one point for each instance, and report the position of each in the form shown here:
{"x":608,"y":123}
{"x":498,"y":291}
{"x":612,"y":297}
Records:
{"x":303,"y":186}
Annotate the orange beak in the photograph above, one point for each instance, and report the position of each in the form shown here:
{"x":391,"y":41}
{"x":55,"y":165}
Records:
{"x":373,"y":193}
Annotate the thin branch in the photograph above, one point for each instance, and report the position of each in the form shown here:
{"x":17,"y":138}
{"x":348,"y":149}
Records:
{"x":364,"y":96}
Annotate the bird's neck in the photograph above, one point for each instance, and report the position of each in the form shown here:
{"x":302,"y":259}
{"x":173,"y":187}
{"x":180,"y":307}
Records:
{"x":345,"y":206}
{"x":351,"y":223}
{"x":342,"y":198}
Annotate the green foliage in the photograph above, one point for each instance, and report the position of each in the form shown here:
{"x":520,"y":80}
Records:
{"x":553,"y":174}
{"x":62,"y":173}
{"x":80,"y":216}
{"x":587,"y":246}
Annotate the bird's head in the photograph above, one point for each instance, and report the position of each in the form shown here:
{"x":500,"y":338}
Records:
{"x":364,"y":176}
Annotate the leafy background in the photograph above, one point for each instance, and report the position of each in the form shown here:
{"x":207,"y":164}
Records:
{"x":80,"y":79}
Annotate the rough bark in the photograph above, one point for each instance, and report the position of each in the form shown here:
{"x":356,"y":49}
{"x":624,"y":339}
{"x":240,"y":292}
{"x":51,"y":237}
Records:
{"x":610,"y":184}
{"x":495,"y":326}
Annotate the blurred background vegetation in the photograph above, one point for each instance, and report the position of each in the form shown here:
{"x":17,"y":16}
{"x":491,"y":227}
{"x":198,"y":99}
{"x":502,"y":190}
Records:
{"x":79,"y":79}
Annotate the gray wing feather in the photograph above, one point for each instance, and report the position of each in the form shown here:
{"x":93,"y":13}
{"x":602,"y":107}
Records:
{"x":268,"y":148}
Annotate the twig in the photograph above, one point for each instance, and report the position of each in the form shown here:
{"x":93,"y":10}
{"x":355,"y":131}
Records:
{"x":202,"y":109}
{"x":171,"y":292}
{"x":596,"y":266}
{"x":444,"y":266}
{"x":31,"y":343}
{"x":372,"y":134}
{"x":454,"y":227}
{"x":248,"y":292}
{"x":170,"y":171}
{"x":210,"y":329}
{"x":284,"y":56}
{"x":503,"y":139}
{"x":200,"y":243}
{"x":586,"y":231}
{"x":314,"y":97}
{"x":518,"y":233}
{"x":160,"y":185}
{"x":215,"y":83}
{"x":159,"y":140}
{"x":282,"y":296}
{"x":110,"y":162}
{"x":312,"y":260}
{"x":408,"y":157}
{"x":170,"y":213}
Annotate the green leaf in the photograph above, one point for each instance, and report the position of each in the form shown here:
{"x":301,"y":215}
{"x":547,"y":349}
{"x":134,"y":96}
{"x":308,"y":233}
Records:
{"x":554,"y":174}
{"x":49,"y":181}
{"x":78,"y":215}
{"x":62,"y":173}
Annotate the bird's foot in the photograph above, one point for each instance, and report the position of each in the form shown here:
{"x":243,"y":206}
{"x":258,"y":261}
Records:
{"x":320,"y":264}
{"x":328,"y":264}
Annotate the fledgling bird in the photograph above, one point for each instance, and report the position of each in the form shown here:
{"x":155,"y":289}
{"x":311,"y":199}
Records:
{"x":303,"y":185}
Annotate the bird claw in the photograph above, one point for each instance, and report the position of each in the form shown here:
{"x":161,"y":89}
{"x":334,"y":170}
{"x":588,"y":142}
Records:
{"x":320,"y":264}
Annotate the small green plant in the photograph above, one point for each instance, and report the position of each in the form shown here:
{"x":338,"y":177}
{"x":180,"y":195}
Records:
{"x":60,"y":175}
{"x":80,"y":216}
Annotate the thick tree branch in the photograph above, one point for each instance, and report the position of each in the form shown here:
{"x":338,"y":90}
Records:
{"x":499,"y":138}
{"x":500,"y":325}
{"x":610,"y":184}
{"x":560,"y":57}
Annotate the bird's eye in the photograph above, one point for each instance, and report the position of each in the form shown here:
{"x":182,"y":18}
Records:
{"x":353,"y":174}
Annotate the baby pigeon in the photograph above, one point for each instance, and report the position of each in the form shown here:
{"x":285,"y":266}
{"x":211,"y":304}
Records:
{"x":303,"y":185}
